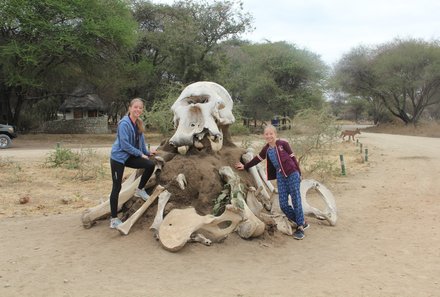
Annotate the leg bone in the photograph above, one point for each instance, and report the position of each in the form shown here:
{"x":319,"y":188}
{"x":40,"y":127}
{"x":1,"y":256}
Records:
{"x":125,"y":227}
{"x":158,"y":219}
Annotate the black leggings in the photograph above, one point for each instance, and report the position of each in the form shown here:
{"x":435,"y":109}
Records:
{"x":117,"y":173}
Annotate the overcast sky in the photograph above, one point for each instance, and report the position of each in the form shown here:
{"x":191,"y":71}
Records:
{"x":331,"y":28}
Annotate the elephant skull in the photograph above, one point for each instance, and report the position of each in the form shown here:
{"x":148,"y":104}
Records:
{"x":200,"y":113}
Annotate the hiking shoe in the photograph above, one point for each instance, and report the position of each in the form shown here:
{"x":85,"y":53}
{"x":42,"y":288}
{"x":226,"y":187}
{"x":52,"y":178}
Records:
{"x":299,"y":234}
{"x":141,"y":194}
{"x":114,"y":223}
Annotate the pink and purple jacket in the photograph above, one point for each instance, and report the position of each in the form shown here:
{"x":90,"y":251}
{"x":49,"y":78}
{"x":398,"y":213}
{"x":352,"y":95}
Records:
{"x":286,"y":158}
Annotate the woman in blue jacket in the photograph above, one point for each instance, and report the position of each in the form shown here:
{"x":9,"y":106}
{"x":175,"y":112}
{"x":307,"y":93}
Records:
{"x":282,"y":165}
{"x":129,"y":150}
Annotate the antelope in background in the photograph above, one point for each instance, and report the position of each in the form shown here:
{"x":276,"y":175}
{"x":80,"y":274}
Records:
{"x":350,"y":133}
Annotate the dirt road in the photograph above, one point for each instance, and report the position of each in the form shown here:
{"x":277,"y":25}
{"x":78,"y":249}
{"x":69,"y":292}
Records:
{"x":386,"y":243}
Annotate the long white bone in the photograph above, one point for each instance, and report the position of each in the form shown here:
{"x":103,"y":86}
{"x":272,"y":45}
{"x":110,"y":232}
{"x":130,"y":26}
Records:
{"x":125,"y":227}
{"x":158,"y":219}
{"x":263,"y":176}
{"x":257,"y":178}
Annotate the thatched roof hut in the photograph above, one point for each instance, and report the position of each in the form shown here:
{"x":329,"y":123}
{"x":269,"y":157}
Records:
{"x":86,"y":102}
{"x":82,"y":103}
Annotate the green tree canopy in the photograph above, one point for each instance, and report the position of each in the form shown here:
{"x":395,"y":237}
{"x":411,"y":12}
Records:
{"x":46,"y":43}
{"x":404,"y":75}
{"x":181,"y":39}
{"x":274,"y":78}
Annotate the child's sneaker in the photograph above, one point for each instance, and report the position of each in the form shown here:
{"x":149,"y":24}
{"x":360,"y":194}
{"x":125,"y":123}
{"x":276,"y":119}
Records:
{"x":114,"y":223}
{"x":306,"y":225}
{"x":299,"y":234}
{"x":142,"y":194}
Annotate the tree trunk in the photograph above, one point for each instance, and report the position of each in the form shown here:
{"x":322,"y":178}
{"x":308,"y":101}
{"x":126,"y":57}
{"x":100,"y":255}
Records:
{"x":17,"y":110}
{"x":5,"y":107}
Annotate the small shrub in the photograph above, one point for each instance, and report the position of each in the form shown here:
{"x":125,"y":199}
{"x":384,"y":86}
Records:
{"x":238,"y":129}
{"x":160,"y":117}
{"x":63,"y":157}
{"x":323,"y":168}
{"x":315,"y":133}
{"x":90,"y":166}
{"x":86,"y":162}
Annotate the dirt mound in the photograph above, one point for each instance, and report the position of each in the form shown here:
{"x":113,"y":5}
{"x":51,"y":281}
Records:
{"x":201,"y":169}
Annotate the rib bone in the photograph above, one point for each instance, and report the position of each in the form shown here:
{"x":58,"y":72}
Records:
{"x":257,"y":178}
{"x":330,"y":212}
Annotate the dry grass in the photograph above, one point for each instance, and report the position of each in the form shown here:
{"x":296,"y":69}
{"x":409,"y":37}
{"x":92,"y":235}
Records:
{"x":50,"y":190}
{"x":425,"y":129}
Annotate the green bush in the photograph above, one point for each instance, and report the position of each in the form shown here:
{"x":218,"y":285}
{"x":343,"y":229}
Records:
{"x":63,"y":157}
{"x":85,"y":162}
{"x":160,"y":116}
{"x":237,"y":129}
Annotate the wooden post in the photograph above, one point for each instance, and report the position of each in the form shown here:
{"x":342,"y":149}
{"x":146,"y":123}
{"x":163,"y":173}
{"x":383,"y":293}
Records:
{"x":341,"y":157}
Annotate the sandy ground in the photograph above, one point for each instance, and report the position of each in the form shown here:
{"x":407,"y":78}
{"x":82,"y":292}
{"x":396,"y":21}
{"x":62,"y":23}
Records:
{"x":386,"y":243}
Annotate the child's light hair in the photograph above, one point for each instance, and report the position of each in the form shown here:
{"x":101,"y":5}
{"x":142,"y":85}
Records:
{"x":270,"y":127}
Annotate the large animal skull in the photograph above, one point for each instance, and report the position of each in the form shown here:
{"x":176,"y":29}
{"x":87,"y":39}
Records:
{"x":202,"y":110}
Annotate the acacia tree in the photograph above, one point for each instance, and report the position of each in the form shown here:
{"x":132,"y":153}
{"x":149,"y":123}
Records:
{"x":353,"y":76}
{"x":45,"y":43}
{"x":404,"y":75}
{"x":274,"y":78}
